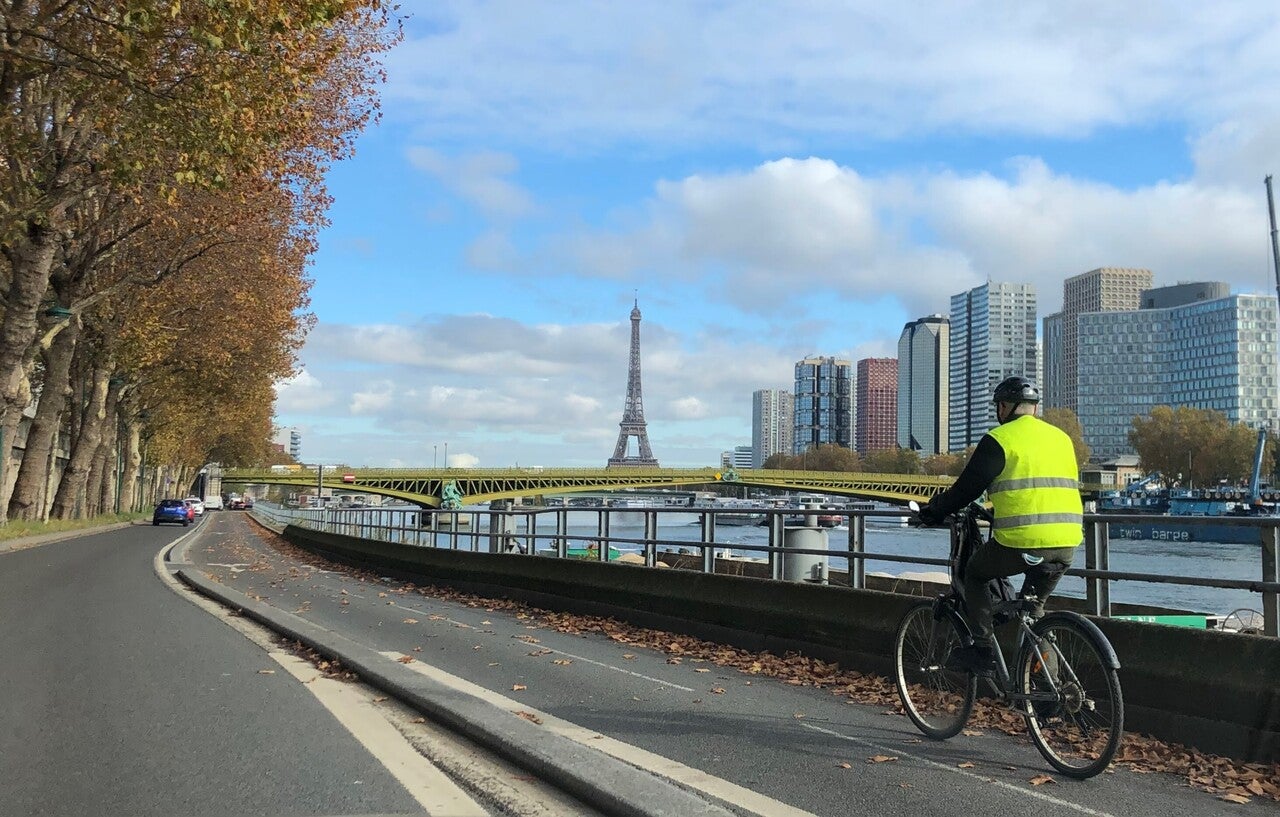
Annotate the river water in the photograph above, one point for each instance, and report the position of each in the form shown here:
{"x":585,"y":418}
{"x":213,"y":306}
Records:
{"x":1206,"y":560}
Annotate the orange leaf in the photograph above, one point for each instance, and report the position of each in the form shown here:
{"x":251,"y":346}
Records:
{"x":1041,"y":779}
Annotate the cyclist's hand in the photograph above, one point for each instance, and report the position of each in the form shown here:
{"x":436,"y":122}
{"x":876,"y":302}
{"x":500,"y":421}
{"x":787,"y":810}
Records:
{"x":930,"y":516}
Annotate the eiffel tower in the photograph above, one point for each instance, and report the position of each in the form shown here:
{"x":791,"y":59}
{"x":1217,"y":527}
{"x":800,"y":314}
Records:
{"x":632,"y":424}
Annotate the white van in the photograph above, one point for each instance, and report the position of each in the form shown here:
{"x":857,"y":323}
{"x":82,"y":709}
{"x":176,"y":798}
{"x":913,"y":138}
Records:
{"x":213,"y":502}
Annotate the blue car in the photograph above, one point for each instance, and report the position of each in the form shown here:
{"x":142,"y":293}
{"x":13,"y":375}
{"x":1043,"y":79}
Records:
{"x":171,"y":510}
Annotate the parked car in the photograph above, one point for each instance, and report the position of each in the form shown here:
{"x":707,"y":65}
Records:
{"x":172,"y":510}
{"x":196,"y":503}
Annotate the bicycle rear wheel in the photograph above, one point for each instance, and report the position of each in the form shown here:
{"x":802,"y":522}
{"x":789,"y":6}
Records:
{"x":1078,"y":731}
{"x":937,"y":700}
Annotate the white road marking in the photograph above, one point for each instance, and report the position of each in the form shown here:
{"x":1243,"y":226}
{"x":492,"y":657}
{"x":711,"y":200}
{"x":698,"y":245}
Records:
{"x":421,"y":779}
{"x":1032,"y":793}
{"x":742,"y":798}
{"x":425,"y":783}
{"x":540,"y":646}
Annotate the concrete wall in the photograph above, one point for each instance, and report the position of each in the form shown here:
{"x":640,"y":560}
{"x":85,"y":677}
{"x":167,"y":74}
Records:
{"x":1211,"y":690}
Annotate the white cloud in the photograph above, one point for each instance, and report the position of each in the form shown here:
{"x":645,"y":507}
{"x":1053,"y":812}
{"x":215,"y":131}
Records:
{"x":302,"y":394}
{"x":478,"y":178}
{"x":576,"y":73}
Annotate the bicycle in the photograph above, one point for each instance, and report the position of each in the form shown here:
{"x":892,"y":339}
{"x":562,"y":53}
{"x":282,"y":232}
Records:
{"x":1065,"y":683}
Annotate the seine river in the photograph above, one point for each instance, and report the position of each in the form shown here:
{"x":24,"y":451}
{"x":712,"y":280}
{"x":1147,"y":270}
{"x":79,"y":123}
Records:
{"x":1208,"y":560}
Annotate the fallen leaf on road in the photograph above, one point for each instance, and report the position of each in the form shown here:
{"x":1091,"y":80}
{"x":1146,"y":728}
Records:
{"x":1235,"y":798}
{"x":539,"y":652}
{"x":717,"y":690}
{"x":973,"y":733}
{"x":564,"y":662}
{"x":405,"y":659}
{"x":418,"y":720}
{"x":379,"y":699}
{"x":417,"y":649}
{"x":529,"y":716}
{"x":382,"y":595}
{"x":675,"y":660}
{"x":628,"y":656}
{"x":844,"y":764}
{"x":518,"y":687}
{"x":1041,"y":779}
{"x":882,"y":759}
{"x":965,"y":765}
{"x":266,"y":672}
{"x":410,"y":621}
{"x":702,"y":669}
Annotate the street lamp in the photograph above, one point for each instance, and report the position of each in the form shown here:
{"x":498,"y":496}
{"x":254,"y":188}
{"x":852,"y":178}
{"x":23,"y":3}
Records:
{"x":433,"y":455}
{"x":446,"y":455}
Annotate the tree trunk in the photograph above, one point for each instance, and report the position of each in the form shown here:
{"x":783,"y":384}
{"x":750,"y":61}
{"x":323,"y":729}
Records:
{"x":71,"y":490}
{"x":95,"y":487}
{"x":129,"y":499}
{"x":32,"y":260}
{"x":33,"y":473}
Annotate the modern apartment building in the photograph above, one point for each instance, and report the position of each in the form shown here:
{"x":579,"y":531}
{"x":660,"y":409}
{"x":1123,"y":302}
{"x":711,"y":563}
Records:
{"x":772,"y":424}
{"x":877,"y":401}
{"x":1106,"y":289}
{"x":993,"y":336}
{"x":740,"y":457}
{"x":290,"y":440}
{"x":823,"y":412}
{"x":1215,"y":354}
{"x":924,"y":351}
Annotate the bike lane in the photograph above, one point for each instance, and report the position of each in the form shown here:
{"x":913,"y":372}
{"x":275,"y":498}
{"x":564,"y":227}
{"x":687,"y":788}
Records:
{"x":756,"y":742}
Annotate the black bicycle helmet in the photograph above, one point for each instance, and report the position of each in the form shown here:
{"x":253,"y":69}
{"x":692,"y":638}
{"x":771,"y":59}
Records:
{"x":1016,"y":390}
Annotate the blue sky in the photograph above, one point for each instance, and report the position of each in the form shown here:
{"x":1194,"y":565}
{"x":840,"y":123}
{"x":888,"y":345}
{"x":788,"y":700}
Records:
{"x":771,"y":181}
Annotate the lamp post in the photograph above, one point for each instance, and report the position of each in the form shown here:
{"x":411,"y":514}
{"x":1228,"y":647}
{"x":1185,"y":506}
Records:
{"x":446,"y":455}
{"x":434,"y":451}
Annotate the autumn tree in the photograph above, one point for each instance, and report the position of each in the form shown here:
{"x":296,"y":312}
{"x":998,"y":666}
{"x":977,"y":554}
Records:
{"x":1066,"y":420}
{"x":109,"y":99}
{"x":1198,"y":446}
{"x":892,"y":461}
{"x":822,"y":457}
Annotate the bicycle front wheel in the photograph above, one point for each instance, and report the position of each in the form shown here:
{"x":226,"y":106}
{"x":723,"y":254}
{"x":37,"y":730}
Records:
{"x":1076,"y":717}
{"x":937,"y":700}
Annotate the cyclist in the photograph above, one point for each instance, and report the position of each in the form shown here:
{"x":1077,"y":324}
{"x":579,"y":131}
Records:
{"x":1028,"y":470}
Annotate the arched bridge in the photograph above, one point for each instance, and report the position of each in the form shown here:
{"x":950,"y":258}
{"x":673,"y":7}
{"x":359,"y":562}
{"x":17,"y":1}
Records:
{"x":454,"y":487}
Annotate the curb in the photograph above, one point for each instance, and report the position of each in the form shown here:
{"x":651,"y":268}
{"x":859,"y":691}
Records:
{"x":601,"y":781}
{"x":25,"y":542}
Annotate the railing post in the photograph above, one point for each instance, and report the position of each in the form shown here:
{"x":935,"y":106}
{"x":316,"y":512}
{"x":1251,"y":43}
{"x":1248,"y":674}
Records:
{"x":777,"y":523}
{"x":1271,"y":573}
{"x":708,"y":536}
{"x":858,"y":546}
{"x":602,"y":541}
{"x":650,"y":534}
{"x":562,"y":533}
{"x":1097,"y":557}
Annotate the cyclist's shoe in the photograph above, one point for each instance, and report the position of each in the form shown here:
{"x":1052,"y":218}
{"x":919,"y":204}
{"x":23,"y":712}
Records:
{"x":978,"y":658}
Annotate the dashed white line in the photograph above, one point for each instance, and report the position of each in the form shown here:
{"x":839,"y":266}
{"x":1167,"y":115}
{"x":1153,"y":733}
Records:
{"x":742,"y":798}
{"x":1036,"y":795}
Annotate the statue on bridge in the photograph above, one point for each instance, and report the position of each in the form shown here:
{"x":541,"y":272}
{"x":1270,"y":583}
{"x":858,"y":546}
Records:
{"x":450,"y":496}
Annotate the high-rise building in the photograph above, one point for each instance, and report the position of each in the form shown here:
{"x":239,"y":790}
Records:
{"x":1215,"y":354}
{"x":772,"y":424}
{"x":877,"y":402}
{"x":924,"y":350}
{"x":1051,"y":361}
{"x":993,"y":336}
{"x":290,"y":440}
{"x":823,"y":410}
{"x":1106,"y":289}
{"x":739,"y":457}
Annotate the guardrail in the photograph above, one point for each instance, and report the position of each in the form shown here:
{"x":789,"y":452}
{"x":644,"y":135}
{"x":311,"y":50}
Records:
{"x":546,"y":532}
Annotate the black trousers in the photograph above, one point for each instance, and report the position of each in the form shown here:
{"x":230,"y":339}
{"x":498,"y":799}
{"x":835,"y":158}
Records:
{"x":991,"y":560}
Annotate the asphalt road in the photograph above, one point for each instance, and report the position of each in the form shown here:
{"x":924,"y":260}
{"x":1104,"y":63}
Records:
{"x":765,"y":746}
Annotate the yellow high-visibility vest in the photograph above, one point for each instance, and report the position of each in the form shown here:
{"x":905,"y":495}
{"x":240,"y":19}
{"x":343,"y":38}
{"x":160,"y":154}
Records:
{"x":1036,"y":498}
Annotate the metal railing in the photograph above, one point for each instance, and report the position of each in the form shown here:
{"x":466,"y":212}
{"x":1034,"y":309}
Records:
{"x":546,"y":532}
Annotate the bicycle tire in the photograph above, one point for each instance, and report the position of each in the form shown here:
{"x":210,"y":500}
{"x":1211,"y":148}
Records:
{"x":1080,"y":732}
{"x":937,"y":700}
